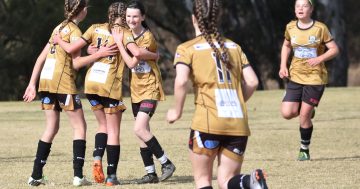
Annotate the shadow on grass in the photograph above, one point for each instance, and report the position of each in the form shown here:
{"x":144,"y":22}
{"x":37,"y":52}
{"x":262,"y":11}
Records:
{"x":355,"y":158}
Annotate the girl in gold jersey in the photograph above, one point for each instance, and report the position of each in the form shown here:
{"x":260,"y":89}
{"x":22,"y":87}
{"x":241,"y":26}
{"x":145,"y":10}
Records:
{"x":103,"y":88}
{"x":307,"y":75}
{"x":58,"y":92}
{"x":223,"y":81}
{"x":146,"y":88}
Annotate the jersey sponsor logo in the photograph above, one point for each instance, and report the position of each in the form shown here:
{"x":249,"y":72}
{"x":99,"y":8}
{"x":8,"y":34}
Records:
{"x":211,"y":144}
{"x":99,"y":72}
{"x":142,"y":67}
{"x":228,"y":103}
{"x":102,"y":32}
{"x":312,"y":39}
{"x":146,"y":105}
{"x":48,"y":69}
{"x":204,"y":46}
{"x":305,"y":52}
{"x":177,"y":55}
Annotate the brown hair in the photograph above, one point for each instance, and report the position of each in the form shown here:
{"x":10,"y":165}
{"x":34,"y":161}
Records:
{"x":117,"y":10}
{"x":206,"y":13}
{"x":71,"y":9}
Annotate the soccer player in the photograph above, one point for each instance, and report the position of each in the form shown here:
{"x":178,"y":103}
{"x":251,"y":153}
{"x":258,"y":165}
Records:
{"x":146,"y":88}
{"x":103,"y":89}
{"x":308,"y":39}
{"x":58,"y":92}
{"x":223,"y":81}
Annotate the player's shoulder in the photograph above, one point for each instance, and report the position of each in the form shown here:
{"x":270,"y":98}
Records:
{"x":191,"y":43}
{"x":319,"y":24}
{"x":291,"y":24}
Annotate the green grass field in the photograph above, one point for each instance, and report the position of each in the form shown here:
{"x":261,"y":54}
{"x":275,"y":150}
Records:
{"x":273,"y":145}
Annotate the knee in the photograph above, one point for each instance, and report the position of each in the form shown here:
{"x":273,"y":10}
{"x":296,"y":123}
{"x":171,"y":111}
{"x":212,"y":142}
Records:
{"x":138,"y":131}
{"x":289,"y":114}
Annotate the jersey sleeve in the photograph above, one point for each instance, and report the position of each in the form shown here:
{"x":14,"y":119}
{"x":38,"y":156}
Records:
{"x":243,"y":58}
{"x":326,"y":35}
{"x":128,"y":38}
{"x":75,"y":35}
{"x":87,"y":36}
{"x":286,"y":34}
{"x":182,"y":56}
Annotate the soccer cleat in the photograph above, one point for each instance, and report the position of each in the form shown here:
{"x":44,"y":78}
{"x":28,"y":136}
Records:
{"x":304,"y":156}
{"x":34,"y":182}
{"x":98,"y":172}
{"x":148,"y":179}
{"x":81,"y":181}
{"x":112,"y":181}
{"x":257,"y":180}
{"x":167,"y":171}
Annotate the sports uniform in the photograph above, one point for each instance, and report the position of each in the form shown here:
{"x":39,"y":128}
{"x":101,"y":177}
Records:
{"x":103,"y":81}
{"x":145,"y":78}
{"x":57,"y":79}
{"x":307,"y":82}
{"x":220,"y":110}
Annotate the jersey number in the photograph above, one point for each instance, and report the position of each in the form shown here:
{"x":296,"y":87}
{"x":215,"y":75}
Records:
{"x":99,"y":39}
{"x":220,"y":70}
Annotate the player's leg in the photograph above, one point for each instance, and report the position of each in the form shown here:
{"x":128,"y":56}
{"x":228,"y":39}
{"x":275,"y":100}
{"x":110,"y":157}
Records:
{"x":292,"y":99}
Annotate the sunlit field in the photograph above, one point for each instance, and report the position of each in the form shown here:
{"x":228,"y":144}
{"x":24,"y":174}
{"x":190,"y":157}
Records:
{"x":273,"y":145}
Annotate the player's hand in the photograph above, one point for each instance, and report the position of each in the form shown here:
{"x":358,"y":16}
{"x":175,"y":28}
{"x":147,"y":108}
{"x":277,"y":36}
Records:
{"x":283,"y":73}
{"x":172,"y":115}
{"x":105,"y":51}
{"x":30,"y":93}
{"x":117,"y":34}
{"x":92,"y":49}
{"x":314,"y":61}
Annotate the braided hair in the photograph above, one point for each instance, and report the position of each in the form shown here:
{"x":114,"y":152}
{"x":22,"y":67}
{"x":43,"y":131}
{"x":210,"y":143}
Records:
{"x":117,"y":10}
{"x":71,"y":9}
{"x":206,"y":13}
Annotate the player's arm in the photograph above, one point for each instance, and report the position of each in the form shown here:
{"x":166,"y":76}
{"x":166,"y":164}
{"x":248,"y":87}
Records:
{"x":141,"y":53}
{"x":30,"y":92}
{"x":332,"y":51}
{"x":69,"y":47}
{"x":181,"y":79}
{"x":285,"y":53}
{"x":249,"y":82}
{"x":118,"y":35}
{"x":104,"y":51}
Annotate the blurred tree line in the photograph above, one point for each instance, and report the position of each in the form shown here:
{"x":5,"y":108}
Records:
{"x":257,"y":25}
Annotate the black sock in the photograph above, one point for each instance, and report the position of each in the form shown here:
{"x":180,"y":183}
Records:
{"x":207,"y":187}
{"x":79,"y":148}
{"x":156,"y":149}
{"x":42,"y":153}
{"x":113,"y":156}
{"x":147,"y":157}
{"x":305,"y":134}
{"x":239,"y":182}
{"x":100,"y":144}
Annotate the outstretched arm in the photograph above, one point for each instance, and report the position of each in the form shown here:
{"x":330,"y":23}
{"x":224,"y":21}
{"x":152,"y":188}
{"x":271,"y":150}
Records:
{"x":181,"y":79}
{"x":30,"y":92}
{"x":69,"y":47}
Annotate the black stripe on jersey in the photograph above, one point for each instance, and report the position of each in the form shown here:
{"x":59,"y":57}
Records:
{"x":183,"y":64}
{"x":246,"y":65}
{"x":86,"y":41}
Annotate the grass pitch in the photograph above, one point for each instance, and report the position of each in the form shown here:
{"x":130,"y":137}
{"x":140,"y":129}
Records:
{"x":273,"y":145}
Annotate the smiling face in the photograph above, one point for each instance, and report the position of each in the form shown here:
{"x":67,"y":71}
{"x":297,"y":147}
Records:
{"x":134,"y":18}
{"x":303,"y":9}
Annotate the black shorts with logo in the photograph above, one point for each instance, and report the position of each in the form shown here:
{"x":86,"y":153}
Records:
{"x":146,"y":106}
{"x":59,"y":102}
{"x":310,"y":94}
{"x":108,"y":104}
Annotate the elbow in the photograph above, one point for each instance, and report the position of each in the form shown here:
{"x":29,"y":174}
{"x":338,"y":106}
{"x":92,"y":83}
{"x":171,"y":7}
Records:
{"x":136,"y":53}
{"x":75,"y":64}
{"x":254,"y":83}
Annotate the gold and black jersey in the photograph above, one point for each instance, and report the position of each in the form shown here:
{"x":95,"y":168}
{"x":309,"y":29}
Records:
{"x":219,"y":103}
{"x":307,"y":43}
{"x":57,"y":74}
{"x":145,"y":78}
{"x":104,"y":77}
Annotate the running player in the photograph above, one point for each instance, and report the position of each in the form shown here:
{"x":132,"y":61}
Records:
{"x":308,"y":39}
{"x":146,"y":88}
{"x":58,"y":92}
{"x":103,"y":88}
{"x":223,"y":81}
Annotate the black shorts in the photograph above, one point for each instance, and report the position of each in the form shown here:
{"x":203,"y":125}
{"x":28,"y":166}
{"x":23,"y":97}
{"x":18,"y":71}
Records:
{"x":108,"y":104}
{"x":310,"y":94}
{"x":146,"y":106}
{"x":209,"y":144}
{"x":59,"y":102}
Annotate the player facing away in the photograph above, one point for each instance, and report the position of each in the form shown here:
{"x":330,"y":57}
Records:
{"x":58,"y":92}
{"x":145,"y":87}
{"x":307,"y":75}
{"x":223,"y":81}
{"x":103,"y":89}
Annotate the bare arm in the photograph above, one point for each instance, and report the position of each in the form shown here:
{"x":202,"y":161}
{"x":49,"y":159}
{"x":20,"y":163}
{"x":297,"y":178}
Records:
{"x":249,"y":82}
{"x":182,"y":77}
{"x":104,"y":51}
{"x":118,"y":35}
{"x":141,"y":53}
{"x":30,"y":92}
{"x":69,"y":47}
{"x":285,"y":53}
{"x":332,"y":51}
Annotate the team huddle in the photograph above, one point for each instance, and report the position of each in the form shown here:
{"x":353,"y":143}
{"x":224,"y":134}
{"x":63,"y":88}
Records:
{"x":219,"y":128}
